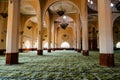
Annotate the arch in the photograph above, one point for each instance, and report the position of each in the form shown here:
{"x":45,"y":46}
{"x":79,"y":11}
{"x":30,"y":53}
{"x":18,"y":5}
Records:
{"x":28,"y":33}
{"x":116,"y":31}
{"x":67,"y":1}
{"x":52,"y":2}
{"x":117,"y":20}
{"x":115,"y":16}
{"x":28,"y":26}
{"x":32,"y":4}
{"x":65,"y":45}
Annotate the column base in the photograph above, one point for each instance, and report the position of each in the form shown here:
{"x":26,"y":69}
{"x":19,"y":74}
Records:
{"x":107,"y":60}
{"x":78,"y":50}
{"x":49,"y":50}
{"x":85,"y":53}
{"x":12,"y":58}
{"x":39,"y":52}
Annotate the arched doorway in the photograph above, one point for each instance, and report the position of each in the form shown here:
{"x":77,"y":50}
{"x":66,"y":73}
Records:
{"x":65,"y":45}
{"x":118,"y":45}
{"x":116,"y":32}
{"x":93,"y":32}
{"x":70,"y":8}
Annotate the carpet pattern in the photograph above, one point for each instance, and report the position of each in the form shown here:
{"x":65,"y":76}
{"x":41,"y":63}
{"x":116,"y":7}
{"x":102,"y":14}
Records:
{"x":59,"y":65}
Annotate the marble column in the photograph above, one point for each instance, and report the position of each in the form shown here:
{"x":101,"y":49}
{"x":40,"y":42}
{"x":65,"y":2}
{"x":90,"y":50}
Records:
{"x":78,"y":33}
{"x":54,"y":27}
{"x":40,"y":35}
{"x":84,"y":21}
{"x":75,"y":37}
{"x":56,"y":36}
{"x":105,"y":33}
{"x":49,"y":37}
{"x":12,"y":32}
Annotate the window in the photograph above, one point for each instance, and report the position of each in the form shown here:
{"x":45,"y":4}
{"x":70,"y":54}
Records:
{"x":65,"y":45}
{"x":118,"y":45}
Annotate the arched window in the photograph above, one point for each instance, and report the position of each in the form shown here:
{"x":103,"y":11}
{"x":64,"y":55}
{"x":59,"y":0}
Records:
{"x":46,"y":45}
{"x":65,"y":45}
{"x":118,"y":45}
{"x":27,"y":44}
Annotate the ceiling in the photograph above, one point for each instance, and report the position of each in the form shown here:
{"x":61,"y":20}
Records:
{"x":67,"y":7}
{"x":26,"y":8}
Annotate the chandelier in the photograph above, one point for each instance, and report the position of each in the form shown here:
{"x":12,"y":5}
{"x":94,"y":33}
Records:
{"x":60,"y":11}
{"x":64,"y":25}
{"x":64,"y":22}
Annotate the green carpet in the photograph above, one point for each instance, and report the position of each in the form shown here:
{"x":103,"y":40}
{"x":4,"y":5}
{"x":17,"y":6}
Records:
{"x":59,"y":65}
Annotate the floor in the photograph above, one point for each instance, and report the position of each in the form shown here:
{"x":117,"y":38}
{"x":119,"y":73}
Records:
{"x":59,"y":65}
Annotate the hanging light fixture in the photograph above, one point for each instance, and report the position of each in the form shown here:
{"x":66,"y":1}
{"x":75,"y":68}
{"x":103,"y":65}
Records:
{"x":64,"y":23}
{"x":4,"y":13}
{"x":61,"y":11}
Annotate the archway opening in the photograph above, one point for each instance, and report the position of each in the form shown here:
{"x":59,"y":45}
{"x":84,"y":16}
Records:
{"x":118,"y":45}
{"x":65,"y":45}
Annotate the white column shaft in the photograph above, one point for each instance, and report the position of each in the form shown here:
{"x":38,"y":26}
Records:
{"x":13,"y":26}
{"x":105,"y":26}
